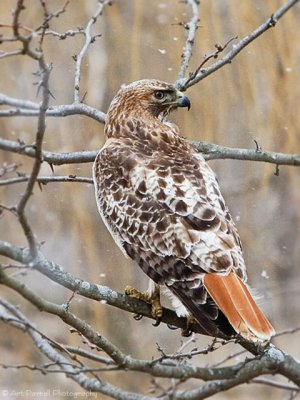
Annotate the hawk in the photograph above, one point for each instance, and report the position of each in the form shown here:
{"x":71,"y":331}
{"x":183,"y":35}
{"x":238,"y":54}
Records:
{"x":162,"y":204}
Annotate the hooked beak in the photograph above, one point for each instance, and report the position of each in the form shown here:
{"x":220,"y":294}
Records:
{"x":183,"y":101}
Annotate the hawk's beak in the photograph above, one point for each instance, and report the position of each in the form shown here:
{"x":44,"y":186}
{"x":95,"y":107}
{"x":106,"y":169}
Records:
{"x":183,"y":101}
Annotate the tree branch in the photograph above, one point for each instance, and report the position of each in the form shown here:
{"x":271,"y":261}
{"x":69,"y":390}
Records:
{"x":191,"y":28}
{"x":88,"y":40}
{"x":26,"y":108}
{"x":210,"y":151}
{"x":185,"y":83}
{"x":213,"y":152}
{"x":71,"y":371}
{"x":270,"y":359}
{"x":44,"y":72}
{"x":87,"y":289}
{"x":44,"y":180}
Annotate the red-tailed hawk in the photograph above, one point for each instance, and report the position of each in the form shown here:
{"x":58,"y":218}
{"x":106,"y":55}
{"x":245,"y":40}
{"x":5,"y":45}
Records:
{"x":162,"y":204}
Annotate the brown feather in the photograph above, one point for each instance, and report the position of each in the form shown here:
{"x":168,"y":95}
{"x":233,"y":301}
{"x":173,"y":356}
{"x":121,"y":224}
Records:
{"x":163,"y":206}
{"x":233,"y":298}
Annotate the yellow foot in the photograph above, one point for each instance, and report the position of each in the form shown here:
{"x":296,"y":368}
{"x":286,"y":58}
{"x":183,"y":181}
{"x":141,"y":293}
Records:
{"x":152,"y":298}
{"x":188,"y":330}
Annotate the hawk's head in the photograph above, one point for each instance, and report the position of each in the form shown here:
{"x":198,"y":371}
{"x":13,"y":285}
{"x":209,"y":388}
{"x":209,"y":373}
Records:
{"x":149,"y":97}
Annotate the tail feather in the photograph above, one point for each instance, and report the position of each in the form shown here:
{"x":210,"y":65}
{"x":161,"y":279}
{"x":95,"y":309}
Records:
{"x":235,"y":301}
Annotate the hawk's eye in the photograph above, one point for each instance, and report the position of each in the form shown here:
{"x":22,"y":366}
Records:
{"x":159,"y":94}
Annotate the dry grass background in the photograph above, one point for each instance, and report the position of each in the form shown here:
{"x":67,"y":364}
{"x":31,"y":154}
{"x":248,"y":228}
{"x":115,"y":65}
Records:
{"x":256,"y":97}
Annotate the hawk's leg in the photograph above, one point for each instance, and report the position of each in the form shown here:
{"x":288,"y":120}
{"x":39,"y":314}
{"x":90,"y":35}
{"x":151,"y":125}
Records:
{"x":151,"y":296}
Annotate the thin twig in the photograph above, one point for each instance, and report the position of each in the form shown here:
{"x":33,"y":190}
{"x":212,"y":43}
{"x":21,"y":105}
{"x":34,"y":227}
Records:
{"x":44,"y":71}
{"x":185,"y":83}
{"x":206,"y":58}
{"x":191,"y":28}
{"x":47,"y":179}
{"x":278,"y":385}
{"x":88,"y":40}
{"x":28,"y":108}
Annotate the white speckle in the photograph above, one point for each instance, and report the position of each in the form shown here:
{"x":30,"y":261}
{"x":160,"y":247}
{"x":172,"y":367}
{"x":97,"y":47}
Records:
{"x":175,"y":38}
{"x":85,"y":285}
{"x":170,"y":69}
{"x":162,"y":51}
{"x":234,"y":46}
{"x":107,"y":292}
{"x":238,"y":218}
{"x":102,"y":275}
{"x":288,"y":69}
{"x":276,"y":354}
{"x":162,"y":19}
{"x":162,"y":5}
{"x":103,"y":301}
{"x":264,"y":274}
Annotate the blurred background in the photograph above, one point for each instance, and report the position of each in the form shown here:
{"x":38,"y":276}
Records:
{"x":256,"y":97}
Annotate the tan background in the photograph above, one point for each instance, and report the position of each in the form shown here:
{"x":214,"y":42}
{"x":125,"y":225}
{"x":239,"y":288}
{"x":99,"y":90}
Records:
{"x":257,"y":97}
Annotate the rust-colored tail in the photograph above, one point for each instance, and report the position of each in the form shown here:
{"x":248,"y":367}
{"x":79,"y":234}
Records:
{"x":235,"y":301}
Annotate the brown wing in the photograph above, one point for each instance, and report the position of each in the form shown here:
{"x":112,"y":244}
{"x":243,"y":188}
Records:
{"x":165,"y":209}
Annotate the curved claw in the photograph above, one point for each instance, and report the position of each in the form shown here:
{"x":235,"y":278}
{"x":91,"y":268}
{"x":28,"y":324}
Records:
{"x":138,"y":317}
{"x":172,"y":327}
{"x":157,"y":322}
{"x":186,"y":332}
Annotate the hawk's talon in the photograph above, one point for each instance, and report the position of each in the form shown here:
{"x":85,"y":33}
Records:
{"x":138,"y":317}
{"x":157,"y":322}
{"x":172,"y":327}
{"x":152,"y":298}
{"x":188,"y":330}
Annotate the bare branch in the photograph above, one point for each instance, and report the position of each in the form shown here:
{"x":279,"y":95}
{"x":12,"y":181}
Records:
{"x":44,"y":71}
{"x":28,"y":108}
{"x":88,"y":40}
{"x":269,"y":360}
{"x":47,"y":179}
{"x":209,"y":151}
{"x":68,"y":360}
{"x":214,"y":152}
{"x":10,"y":101}
{"x":206,"y":58}
{"x":49,"y":16}
{"x":87,"y":289}
{"x":6,"y":54}
{"x":185,"y":83}
{"x":70,"y":370}
{"x":191,"y":28}
{"x":279,"y":385}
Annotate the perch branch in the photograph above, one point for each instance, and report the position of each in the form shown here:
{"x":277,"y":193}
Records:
{"x":269,"y":360}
